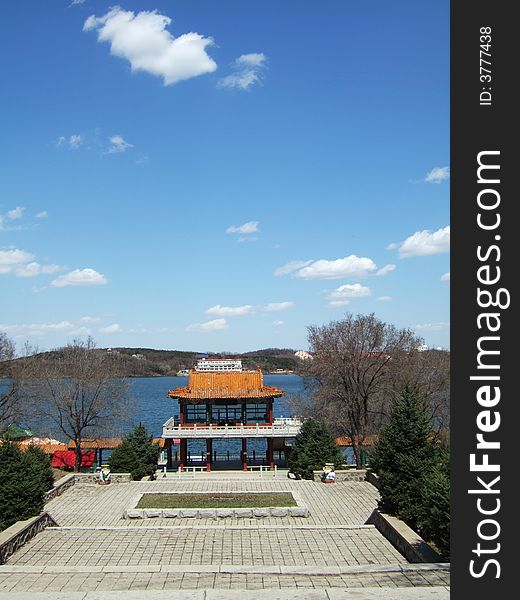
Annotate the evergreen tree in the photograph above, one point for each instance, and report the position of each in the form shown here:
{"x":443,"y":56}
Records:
{"x":434,"y":522}
{"x":313,"y":447}
{"x":404,"y":457}
{"x":137,"y":454}
{"x":24,"y":479}
{"x":39,"y":464}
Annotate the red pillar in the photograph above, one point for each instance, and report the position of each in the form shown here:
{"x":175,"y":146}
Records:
{"x":270,"y":414}
{"x":208,"y":453}
{"x":183,"y":453}
{"x":270,"y":452}
{"x":244,"y":453}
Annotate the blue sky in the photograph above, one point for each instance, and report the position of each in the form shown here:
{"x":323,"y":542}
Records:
{"x":218,"y":175}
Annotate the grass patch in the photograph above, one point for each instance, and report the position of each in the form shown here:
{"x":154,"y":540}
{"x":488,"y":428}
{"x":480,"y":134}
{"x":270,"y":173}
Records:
{"x":217,"y":500}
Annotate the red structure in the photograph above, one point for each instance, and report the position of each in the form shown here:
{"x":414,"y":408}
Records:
{"x":224,"y":405}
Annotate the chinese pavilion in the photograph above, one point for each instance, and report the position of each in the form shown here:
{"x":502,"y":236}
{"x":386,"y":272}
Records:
{"x":225,"y":404}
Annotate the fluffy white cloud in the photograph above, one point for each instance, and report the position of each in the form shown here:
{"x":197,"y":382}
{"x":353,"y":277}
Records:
{"x":384,"y":298}
{"x":247,"y":71}
{"x":73,"y":142}
{"x":424,"y":243}
{"x":88,"y":319}
{"x":215,"y":325}
{"x":349,"y":290}
{"x":437,"y":175}
{"x":15,"y":213}
{"x":446,"y":276}
{"x":114,"y":328}
{"x":385,"y":270}
{"x":349,"y":266}
{"x":10,"y":258}
{"x":291,"y":266}
{"x":118,"y":144}
{"x":81,"y":331}
{"x":144,"y":41}
{"x":277,"y":323}
{"x":246,"y":228}
{"x":80,"y":277}
{"x":42,"y":214}
{"x":230,"y":311}
{"x":277,"y":306}
{"x":33,"y":269}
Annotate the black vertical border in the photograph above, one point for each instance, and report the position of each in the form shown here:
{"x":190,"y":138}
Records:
{"x":476,"y":128}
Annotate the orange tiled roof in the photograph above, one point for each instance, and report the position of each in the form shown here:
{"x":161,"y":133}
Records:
{"x":344,"y":440}
{"x":95,"y":443}
{"x":206,"y":385}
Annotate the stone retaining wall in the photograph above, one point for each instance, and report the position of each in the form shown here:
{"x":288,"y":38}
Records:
{"x":60,"y":486}
{"x":94,"y":477}
{"x":402,"y":537}
{"x":21,"y":532}
{"x":344,"y":475}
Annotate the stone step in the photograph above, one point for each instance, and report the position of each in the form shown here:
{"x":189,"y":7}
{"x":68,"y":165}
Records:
{"x":306,"y":570}
{"x":367,"y":593}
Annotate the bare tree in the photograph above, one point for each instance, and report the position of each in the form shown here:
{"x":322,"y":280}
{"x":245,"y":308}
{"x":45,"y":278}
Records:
{"x":13,"y":401}
{"x":359,"y":364}
{"x":78,"y":390}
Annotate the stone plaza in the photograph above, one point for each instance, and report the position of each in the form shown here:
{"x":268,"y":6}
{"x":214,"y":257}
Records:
{"x":331,"y":554}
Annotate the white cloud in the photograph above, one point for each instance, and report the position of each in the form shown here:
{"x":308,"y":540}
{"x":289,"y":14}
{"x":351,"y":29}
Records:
{"x":42,"y":214}
{"x":385,"y":270}
{"x":349,"y":266}
{"x":73,"y":142}
{"x":337,"y":303}
{"x":76,"y":3}
{"x":291,"y":266}
{"x":10,"y":258}
{"x":424,"y":243}
{"x":278,"y":306}
{"x":247,"y":71}
{"x":33,"y":269}
{"x":114,"y":328}
{"x":437,"y":175}
{"x":80,"y":277}
{"x":384,"y":298}
{"x":15,"y":213}
{"x":349,"y":290}
{"x":37,"y":328}
{"x":143,"y":40}
{"x":88,"y":319}
{"x":246,"y":228}
{"x":446,"y":276}
{"x":277,"y":323}
{"x":229,"y":311}
{"x":431,"y":326}
{"x":247,"y":239}
{"x":215,"y":325}
{"x":118,"y":144}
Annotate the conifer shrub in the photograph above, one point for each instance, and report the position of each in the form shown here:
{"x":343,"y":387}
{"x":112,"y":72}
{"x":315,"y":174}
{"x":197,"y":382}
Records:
{"x":137,"y":454}
{"x":404,"y":458}
{"x":313,"y":447}
{"x":24,"y":479}
{"x":434,"y":522}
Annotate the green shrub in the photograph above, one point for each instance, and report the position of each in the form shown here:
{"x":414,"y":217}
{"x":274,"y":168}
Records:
{"x":313,"y":447}
{"x":404,"y":457}
{"x":24,"y":479}
{"x":137,"y":455}
{"x":434,"y":522}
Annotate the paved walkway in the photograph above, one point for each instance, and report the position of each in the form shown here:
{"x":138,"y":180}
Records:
{"x":96,"y":551}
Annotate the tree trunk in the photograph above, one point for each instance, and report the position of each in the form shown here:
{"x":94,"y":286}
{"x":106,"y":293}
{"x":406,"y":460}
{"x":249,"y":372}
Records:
{"x":357,"y":451}
{"x":77,"y":464}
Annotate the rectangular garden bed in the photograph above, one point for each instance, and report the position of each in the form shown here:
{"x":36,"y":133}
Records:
{"x":216,"y":500}
{"x":216,"y":505}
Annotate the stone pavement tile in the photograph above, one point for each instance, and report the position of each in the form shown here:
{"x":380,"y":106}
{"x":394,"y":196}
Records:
{"x":430,"y":593}
{"x":267,"y":594}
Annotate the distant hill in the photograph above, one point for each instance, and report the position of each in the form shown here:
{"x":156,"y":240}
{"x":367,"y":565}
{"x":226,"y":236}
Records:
{"x":148,"y":362}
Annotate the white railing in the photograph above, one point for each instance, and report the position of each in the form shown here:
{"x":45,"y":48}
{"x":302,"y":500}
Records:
{"x":170,"y":430}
